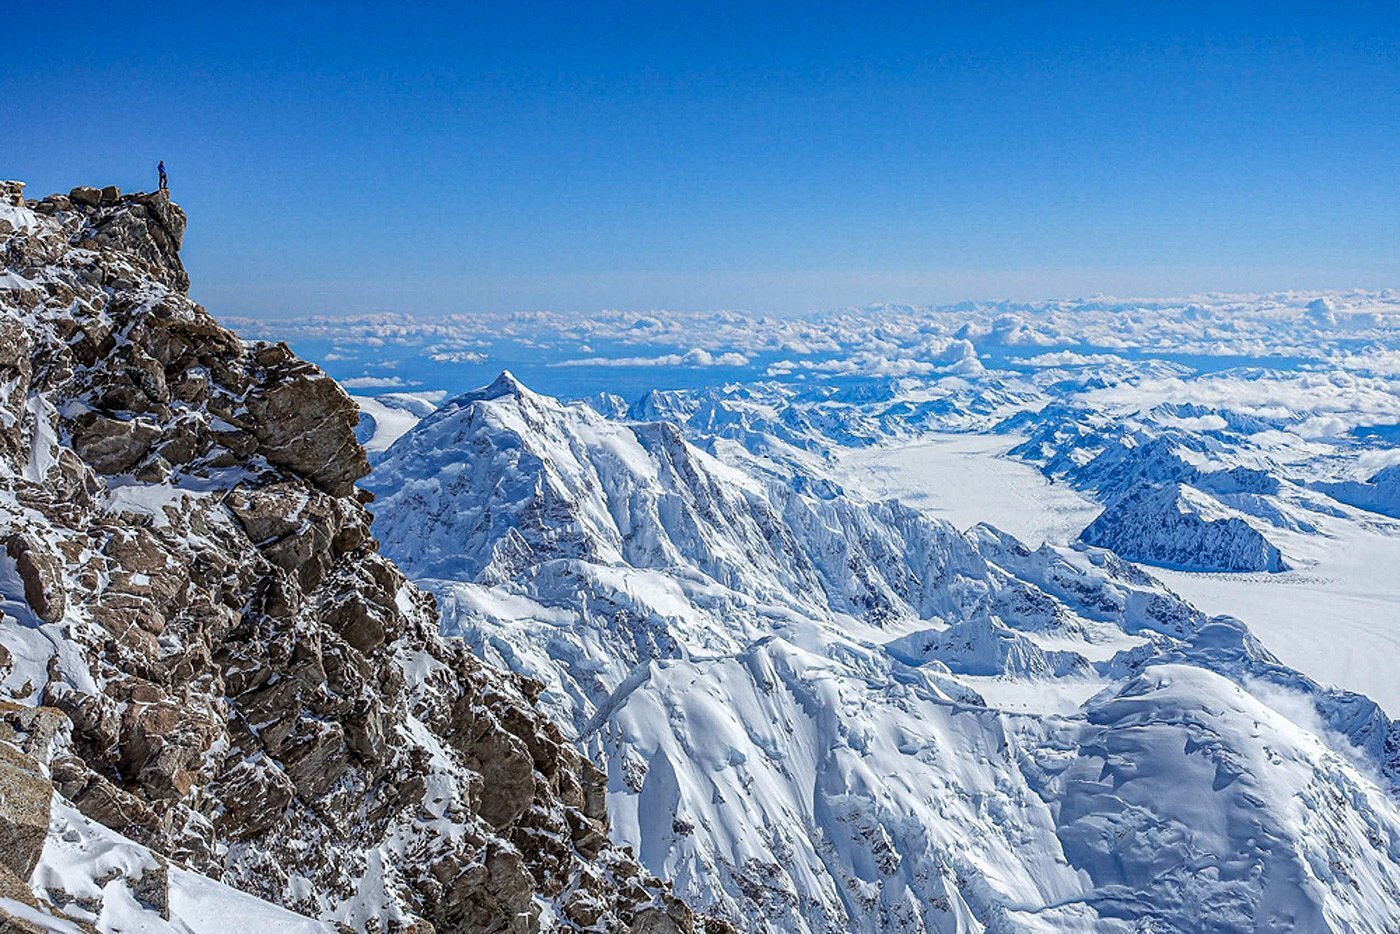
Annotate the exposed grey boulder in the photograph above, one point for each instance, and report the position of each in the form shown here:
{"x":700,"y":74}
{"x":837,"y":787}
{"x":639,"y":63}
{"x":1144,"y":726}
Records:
{"x":112,"y":445}
{"x":41,"y":574}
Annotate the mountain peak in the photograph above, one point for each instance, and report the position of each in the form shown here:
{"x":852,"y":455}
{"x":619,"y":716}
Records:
{"x":504,"y":385}
{"x":147,"y":226}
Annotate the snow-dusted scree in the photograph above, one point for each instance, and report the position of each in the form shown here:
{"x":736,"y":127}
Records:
{"x":220,"y":707}
{"x":825,"y":712}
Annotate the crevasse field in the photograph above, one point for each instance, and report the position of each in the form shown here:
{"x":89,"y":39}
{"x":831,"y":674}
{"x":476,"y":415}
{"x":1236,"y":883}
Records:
{"x":1065,"y":616}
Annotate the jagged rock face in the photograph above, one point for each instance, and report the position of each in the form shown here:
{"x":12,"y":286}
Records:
{"x":25,"y":793}
{"x":1380,"y":493}
{"x":1178,"y":526}
{"x":254,"y":692}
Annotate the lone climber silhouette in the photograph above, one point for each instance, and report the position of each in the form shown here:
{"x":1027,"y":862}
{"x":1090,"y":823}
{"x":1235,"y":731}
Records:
{"x":164,"y":182}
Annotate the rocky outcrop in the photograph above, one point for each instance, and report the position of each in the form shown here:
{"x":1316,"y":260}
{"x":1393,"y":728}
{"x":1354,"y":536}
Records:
{"x":41,"y":575}
{"x":148,"y":226}
{"x":25,"y":793}
{"x":246,"y":686}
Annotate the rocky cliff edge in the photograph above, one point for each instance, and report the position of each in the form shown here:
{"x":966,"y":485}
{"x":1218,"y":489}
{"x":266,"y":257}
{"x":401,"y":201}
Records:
{"x":203,"y":651}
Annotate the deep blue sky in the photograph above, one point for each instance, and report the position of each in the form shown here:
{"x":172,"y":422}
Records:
{"x":774,"y":157}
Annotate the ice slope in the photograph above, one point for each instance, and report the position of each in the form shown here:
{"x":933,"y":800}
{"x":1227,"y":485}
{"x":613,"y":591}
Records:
{"x":967,"y":478}
{"x":386,"y":418}
{"x":804,"y":702}
{"x":1332,"y":617}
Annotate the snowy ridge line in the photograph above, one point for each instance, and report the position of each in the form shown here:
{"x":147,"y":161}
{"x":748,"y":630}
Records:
{"x":637,"y":677}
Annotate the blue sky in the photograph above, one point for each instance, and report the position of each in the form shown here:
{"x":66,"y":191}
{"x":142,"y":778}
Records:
{"x":772,"y":157}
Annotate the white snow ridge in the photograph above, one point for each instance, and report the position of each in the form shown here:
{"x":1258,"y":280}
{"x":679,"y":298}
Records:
{"x":821,"y":711}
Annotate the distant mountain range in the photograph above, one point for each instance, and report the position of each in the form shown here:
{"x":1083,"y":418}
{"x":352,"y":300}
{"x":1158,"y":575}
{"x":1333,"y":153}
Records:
{"x":822,"y":713}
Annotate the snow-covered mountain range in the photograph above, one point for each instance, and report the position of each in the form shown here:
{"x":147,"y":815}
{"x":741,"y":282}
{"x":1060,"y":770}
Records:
{"x":821,"y":711}
{"x":687,"y":659}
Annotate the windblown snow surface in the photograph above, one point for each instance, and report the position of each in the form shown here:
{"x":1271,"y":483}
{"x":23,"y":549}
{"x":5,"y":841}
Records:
{"x":103,"y":869}
{"x":828,"y":698}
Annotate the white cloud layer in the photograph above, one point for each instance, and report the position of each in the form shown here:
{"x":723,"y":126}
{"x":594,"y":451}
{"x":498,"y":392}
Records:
{"x":374,"y":382}
{"x":693,"y":357}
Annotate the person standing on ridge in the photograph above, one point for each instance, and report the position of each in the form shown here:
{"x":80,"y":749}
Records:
{"x":164,"y":182}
